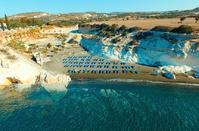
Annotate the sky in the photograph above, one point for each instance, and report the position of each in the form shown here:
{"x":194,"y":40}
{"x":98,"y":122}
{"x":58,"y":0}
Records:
{"x":11,"y":7}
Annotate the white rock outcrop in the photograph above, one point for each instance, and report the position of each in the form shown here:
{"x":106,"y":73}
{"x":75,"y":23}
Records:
{"x":40,"y":59}
{"x":176,"y":69}
{"x":24,"y":73}
{"x":173,"y":53}
{"x":158,"y":49}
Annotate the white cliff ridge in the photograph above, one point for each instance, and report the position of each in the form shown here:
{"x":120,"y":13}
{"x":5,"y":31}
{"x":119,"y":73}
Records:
{"x":150,"y":48}
{"x":17,"y":70}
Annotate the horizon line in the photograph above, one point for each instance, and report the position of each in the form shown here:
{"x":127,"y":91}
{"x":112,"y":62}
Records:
{"x":108,"y":12}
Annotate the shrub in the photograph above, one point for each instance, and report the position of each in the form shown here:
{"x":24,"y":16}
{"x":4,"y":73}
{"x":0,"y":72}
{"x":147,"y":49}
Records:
{"x":12,"y":57}
{"x":49,"y":23}
{"x":72,"y":41}
{"x":102,"y":26}
{"x":114,"y":25}
{"x":182,"y":19}
{"x":55,"y":50}
{"x":196,"y":19}
{"x":142,"y":35}
{"x":13,"y":80}
{"x":162,"y":28}
{"x":108,"y":34}
{"x":116,"y":40}
{"x":132,"y":29}
{"x":7,"y":22}
{"x":68,"y":23}
{"x":122,"y":28}
{"x":124,"y":33}
{"x":4,"y":51}
{"x":183,"y":29}
{"x":16,"y":24}
{"x":45,"y":50}
{"x":24,"y":22}
{"x":18,"y":45}
{"x":133,"y":42}
{"x":49,"y":45}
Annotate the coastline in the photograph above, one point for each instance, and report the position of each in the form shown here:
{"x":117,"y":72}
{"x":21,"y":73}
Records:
{"x":135,"y":81}
{"x":181,"y":79}
{"x":145,"y":72}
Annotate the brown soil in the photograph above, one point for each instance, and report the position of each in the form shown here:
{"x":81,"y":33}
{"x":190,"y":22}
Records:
{"x":150,"y":23}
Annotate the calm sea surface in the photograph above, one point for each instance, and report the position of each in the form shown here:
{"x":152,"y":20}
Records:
{"x":102,"y":106}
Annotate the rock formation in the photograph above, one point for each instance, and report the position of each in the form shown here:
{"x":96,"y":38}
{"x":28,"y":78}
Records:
{"x":22,"y":72}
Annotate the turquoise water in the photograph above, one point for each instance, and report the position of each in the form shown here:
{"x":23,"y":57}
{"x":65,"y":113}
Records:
{"x":102,"y":106}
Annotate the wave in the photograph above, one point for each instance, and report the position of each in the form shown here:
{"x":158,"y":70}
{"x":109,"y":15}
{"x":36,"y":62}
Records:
{"x":157,"y":82}
{"x":134,"y":81}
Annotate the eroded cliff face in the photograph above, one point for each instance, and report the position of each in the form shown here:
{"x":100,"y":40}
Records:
{"x":17,"y":70}
{"x":150,"y":48}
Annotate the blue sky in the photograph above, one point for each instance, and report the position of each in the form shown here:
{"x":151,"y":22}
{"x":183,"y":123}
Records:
{"x":64,"y":6}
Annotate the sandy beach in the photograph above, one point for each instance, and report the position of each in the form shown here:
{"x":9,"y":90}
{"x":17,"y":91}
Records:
{"x":141,"y":76}
{"x":145,"y":73}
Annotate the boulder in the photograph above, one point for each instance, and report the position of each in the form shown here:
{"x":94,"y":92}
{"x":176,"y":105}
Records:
{"x":169,"y":75}
{"x":176,"y":69}
{"x":39,"y":58}
{"x":196,"y":75}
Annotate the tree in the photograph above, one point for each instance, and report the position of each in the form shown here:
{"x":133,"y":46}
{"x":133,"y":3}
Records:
{"x":7,"y":22}
{"x":2,"y":26}
{"x":33,"y":21}
{"x":15,"y":23}
{"x":49,"y":45}
{"x":23,"y":20}
{"x":196,"y":18}
{"x":182,"y":19}
{"x":114,"y":25}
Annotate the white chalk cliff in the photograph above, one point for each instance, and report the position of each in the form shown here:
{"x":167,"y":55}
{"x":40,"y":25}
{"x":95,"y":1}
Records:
{"x":17,"y":70}
{"x":153,"y":49}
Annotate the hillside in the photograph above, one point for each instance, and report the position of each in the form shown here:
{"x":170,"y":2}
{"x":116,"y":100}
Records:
{"x":30,"y":15}
{"x":88,"y":15}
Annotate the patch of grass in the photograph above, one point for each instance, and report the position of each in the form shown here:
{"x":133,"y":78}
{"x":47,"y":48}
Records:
{"x":18,"y":45}
{"x":11,"y":57}
{"x":4,"y":51}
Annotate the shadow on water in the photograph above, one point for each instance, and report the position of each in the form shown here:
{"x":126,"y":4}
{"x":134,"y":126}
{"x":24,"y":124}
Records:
{"x":103,"y":106}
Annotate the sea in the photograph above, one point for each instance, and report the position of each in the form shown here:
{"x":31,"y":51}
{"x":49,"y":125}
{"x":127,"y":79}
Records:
{"x":102,"y":106}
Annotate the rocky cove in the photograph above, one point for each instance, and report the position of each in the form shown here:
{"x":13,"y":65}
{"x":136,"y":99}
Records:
{"x":153,"y":53}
